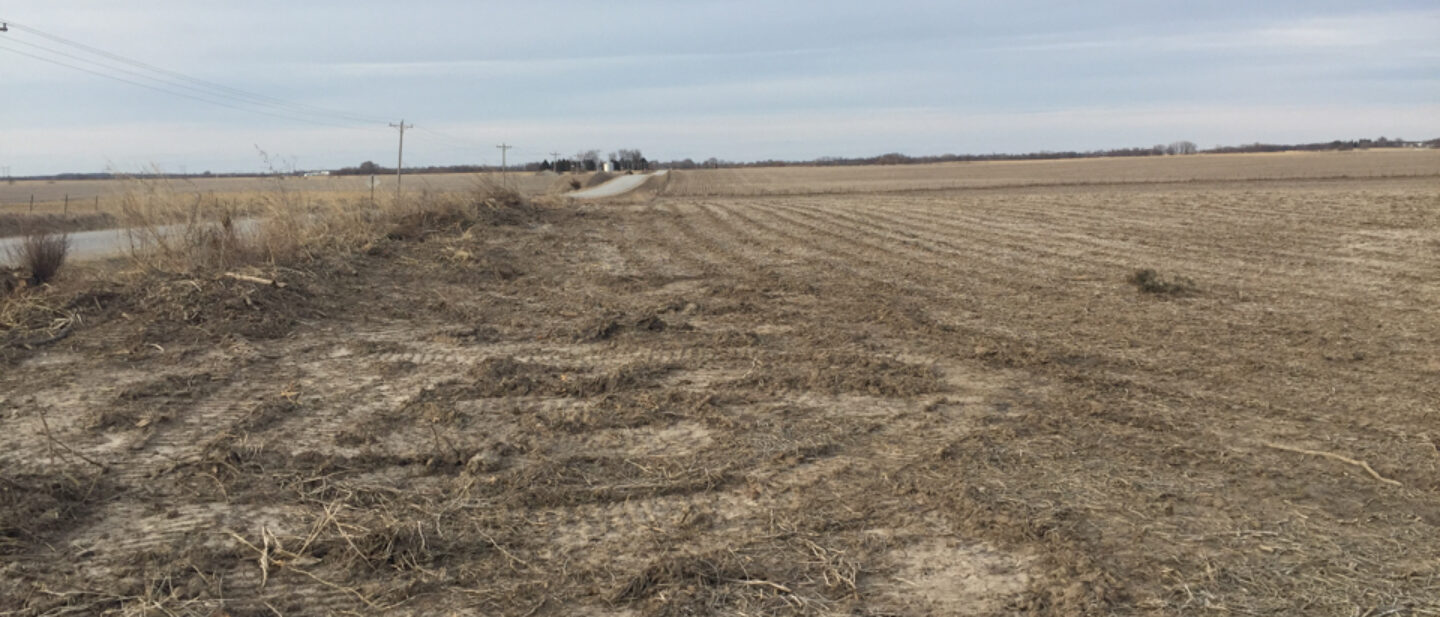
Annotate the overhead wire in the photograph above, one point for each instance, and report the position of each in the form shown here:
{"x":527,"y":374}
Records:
{"x":174,"y":93}
{"x":194,"y":93}
{"x":179,"y":84}
{"x":454,"y":143}
{"x":198,"y":89}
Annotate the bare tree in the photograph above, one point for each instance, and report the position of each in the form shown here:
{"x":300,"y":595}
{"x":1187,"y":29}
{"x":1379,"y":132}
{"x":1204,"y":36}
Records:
{"x":589,"y":160}
{"x":1182,"y":147}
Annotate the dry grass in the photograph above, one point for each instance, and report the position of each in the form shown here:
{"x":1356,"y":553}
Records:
{"x":41,"y":255}
{"x":180,"y":232}
{"x":50,"y":195}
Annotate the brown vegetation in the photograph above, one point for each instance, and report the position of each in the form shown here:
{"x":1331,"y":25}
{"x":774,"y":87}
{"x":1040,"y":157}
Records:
{"x":1151,"y":282}
{"x":914,"y":404}
{"x":41,"y":256}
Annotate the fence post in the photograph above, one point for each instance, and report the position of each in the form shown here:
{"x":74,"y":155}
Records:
{"x":67,"y":204}
{"x":32,"y":203}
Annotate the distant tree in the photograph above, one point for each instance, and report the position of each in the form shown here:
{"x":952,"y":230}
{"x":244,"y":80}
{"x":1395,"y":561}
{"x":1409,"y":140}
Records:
{"x":712,"y":162}
{"x":546,"y":166}
{"x":1182,"y":147}
{"x":589,"y":160}
{"x":369,"y":168}
{"x":633,"y":159}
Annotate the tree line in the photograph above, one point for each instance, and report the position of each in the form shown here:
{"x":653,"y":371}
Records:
{"x":1177,"y":148}
{"x":633,"y":160}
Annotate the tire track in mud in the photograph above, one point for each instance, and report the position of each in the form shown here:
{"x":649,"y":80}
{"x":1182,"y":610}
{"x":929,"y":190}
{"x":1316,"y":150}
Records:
{"x":903,"y":236}
{"x":1235,"y":246}
{"x":631,"y":247}
{"x":1117,"y":365}
{"x":1255,"y":272}
{"x":1108,"y":218}
{"x":913,"y":438}
{"x":788,"y":487}
{"x":746,"y":263}
{"x":1127,"y":367}
{"x":1105,"y":365}
{"x":1143,"y":434}
{"x":896,"y":274}
{"x":1030,"y":242}
{"x":747,"y":510}
{"x":1123,"y":362}
{"x":823,"y":268}
{"x":183,"y":439}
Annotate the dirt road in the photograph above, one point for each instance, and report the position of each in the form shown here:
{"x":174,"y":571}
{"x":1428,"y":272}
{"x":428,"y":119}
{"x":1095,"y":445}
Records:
{"x":937,"y":404}
{"x":618,"y":186}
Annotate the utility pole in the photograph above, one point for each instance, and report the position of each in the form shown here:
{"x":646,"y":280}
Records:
{"x":400,"y":158}
{"x":554,"y":160}
{"x":504,"y":169}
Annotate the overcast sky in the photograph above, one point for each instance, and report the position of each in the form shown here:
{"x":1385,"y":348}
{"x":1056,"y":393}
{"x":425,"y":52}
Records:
{"x":741,"y":80}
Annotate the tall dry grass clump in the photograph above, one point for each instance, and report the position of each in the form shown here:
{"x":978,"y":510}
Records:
{"x":171,"y":229}
{"x":41,"y":255}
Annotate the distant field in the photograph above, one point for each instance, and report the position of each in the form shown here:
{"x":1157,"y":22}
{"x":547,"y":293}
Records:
{"x":50,"y":195}
{"x":890,"y":178}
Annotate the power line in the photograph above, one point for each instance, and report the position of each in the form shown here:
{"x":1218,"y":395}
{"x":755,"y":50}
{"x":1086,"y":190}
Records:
{"x":457,"y":142}
{"x":174,"y":93}
{"x":198,"y":92}
{"x":220,"y":89}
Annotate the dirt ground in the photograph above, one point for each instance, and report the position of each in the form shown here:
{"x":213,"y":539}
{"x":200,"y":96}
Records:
{"x":941,"y":403}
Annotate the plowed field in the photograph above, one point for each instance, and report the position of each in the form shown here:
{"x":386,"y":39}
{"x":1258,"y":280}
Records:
{"x":929,"y":403}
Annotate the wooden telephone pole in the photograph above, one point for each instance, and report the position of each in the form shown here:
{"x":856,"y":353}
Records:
{"x":400,"y":158}
{"x":504,"y":169}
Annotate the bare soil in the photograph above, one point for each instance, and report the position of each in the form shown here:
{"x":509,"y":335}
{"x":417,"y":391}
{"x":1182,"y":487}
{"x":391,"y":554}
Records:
{"x":865,"y":404}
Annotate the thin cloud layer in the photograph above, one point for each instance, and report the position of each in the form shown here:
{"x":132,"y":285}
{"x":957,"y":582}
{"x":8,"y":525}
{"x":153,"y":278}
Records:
{"x":742,"y":80}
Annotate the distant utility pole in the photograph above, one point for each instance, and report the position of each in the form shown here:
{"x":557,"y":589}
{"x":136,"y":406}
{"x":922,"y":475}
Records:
{"x":554,"y":158}
{"x":400,"y":158}
{"x":504,"y":169}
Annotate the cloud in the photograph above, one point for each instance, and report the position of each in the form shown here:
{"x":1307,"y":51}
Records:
{"x":743,"y":80}
{"x":1397,"y":30}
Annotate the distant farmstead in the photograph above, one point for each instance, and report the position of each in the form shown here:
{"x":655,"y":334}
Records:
{"x":316,"y":173}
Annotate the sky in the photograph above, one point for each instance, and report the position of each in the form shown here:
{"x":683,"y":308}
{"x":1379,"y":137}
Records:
{"x":738,"y":80}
